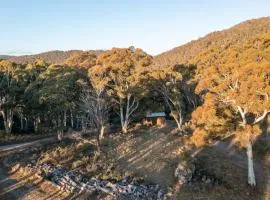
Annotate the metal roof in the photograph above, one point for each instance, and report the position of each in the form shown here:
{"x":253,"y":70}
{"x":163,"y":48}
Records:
{"x":156,"y":114}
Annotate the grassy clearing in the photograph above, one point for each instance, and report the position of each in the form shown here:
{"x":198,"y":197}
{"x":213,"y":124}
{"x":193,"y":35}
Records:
{"x":149,"y":154}
{"x":152,"y":154}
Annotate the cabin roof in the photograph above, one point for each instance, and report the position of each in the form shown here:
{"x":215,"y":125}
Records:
{"x":156,"y":114}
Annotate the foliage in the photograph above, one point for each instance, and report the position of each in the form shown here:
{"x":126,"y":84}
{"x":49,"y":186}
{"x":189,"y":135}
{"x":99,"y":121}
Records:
{"x":51,"y":57}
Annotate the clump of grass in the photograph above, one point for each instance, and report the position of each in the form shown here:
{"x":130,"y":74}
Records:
{"x":262,"y":147}
{"x":107,"y":143}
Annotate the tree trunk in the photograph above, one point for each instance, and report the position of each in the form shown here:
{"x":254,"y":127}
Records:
{"x":65,"y":119}
{"x":179,"y":125}
{"x":36,"y":123}
{"x":59,"y":128}
{"x":83,"y":126}
{"x":101,"y":132}
{"x":8,"y":120}
{"x":268,"y":125}
{"x":122,"y":115}
{"x":98,"y":144}
{"x":35,"y":126}
{"x":71,"y":120}
{"x":251,"y":174}
{"x":59,"y":135}
{"x":21,"y":122}
{"x":26,"y":124}
{"x":131,"y":106}
{"x":125,"y":127}
{"x":78,"y":122}
{"x":178,"y":119}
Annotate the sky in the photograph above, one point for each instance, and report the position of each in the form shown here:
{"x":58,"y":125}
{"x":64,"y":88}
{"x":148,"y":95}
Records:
{"x":29,"y":27}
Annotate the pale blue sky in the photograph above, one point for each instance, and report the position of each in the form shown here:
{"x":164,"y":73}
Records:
{"x":156,"y":26}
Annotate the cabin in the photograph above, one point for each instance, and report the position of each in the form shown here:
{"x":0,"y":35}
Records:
{"x":155,"y":118}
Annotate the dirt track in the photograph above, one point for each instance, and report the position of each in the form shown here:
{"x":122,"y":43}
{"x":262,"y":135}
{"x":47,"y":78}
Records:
{"x":16,"y":185}
{"x":13,"y":147}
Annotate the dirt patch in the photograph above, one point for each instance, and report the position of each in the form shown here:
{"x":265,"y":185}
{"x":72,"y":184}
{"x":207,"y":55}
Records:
{"x":232,"y":176}
{"x":151,"y":153}
{"x":18,"y":184}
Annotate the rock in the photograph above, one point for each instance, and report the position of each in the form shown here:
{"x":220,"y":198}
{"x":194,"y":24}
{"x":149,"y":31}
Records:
{"x":75,"y":181}
{"x":160,"y":194}
{"x":208,"y":181}
{"x":203,"y":178}
{"x":184,"y":172}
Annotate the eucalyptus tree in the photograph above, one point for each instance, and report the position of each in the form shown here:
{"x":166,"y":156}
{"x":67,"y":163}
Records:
{"x":124,"y":69}
{"x":96,"y":99}
{"x":172,"y":84}
{"x":11,"y":89}
{"x":58,"y":93}
{"x":240,"y":78}
{"x":33,"y":108}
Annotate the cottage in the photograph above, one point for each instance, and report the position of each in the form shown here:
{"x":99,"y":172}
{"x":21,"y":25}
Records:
{"x":156,"y":118}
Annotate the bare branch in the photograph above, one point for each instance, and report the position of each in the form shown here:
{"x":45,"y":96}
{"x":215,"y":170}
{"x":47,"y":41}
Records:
{"x":257,"y":120}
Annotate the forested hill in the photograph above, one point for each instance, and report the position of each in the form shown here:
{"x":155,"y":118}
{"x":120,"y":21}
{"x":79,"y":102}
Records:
{"x":5,"y":56}
{"x":220,"y":39}
{"x":50,"y":57}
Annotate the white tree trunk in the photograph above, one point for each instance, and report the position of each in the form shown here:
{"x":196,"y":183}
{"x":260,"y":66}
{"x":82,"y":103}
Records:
{"x":71,"y":120}
{"x":65,"y":119}
{"x":26,"y":124}
{"x":83,"y":125}
{"x":251,"y":174}
{"x":177,"y":116}
{"x":8,"y":120}
{"x":59,"y":128}
{"x":59,"y":135}
{"x":130,"y":107}
{"x":121,"y":114}
{"x":125,"y":127}
{"x":123,"y":119}
{"x":101,"y":133}
{"x":268,"y":125}
{"x":179,"y":125}
{"x":36,"y":123}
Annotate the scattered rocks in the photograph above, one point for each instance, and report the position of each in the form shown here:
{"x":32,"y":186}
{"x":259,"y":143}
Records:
{"x":75,"y":181}
{"x":184,"y":172}
{"x":193,"y":172}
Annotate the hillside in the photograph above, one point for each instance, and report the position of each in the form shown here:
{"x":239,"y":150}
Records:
{"x":5,"y":56}
{"x":184,"y":54}
{"x":55,"y":57}
{"x":103,"y":114}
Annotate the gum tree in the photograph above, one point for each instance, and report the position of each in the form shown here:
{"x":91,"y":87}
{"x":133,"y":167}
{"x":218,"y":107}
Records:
{"x":123,"y":68}
{"x":11,"y":89}
{"x":172,"y":84}
{"x":240,"y":78}
{"x":58,"y":93}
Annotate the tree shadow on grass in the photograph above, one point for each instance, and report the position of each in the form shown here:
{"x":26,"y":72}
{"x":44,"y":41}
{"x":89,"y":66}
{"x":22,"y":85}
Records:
{"x":151,"y":155}
{"x":17,"y":184}
{"x":228,"y":165}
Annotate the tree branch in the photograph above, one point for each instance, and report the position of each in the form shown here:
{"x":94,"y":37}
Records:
{"x":257,"y":120}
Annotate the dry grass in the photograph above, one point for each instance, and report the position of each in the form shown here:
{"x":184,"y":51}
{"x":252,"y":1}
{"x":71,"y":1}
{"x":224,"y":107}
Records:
{"x":233,"y":180}
{"x":153,"y":154}
{"x":28,"y":186}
